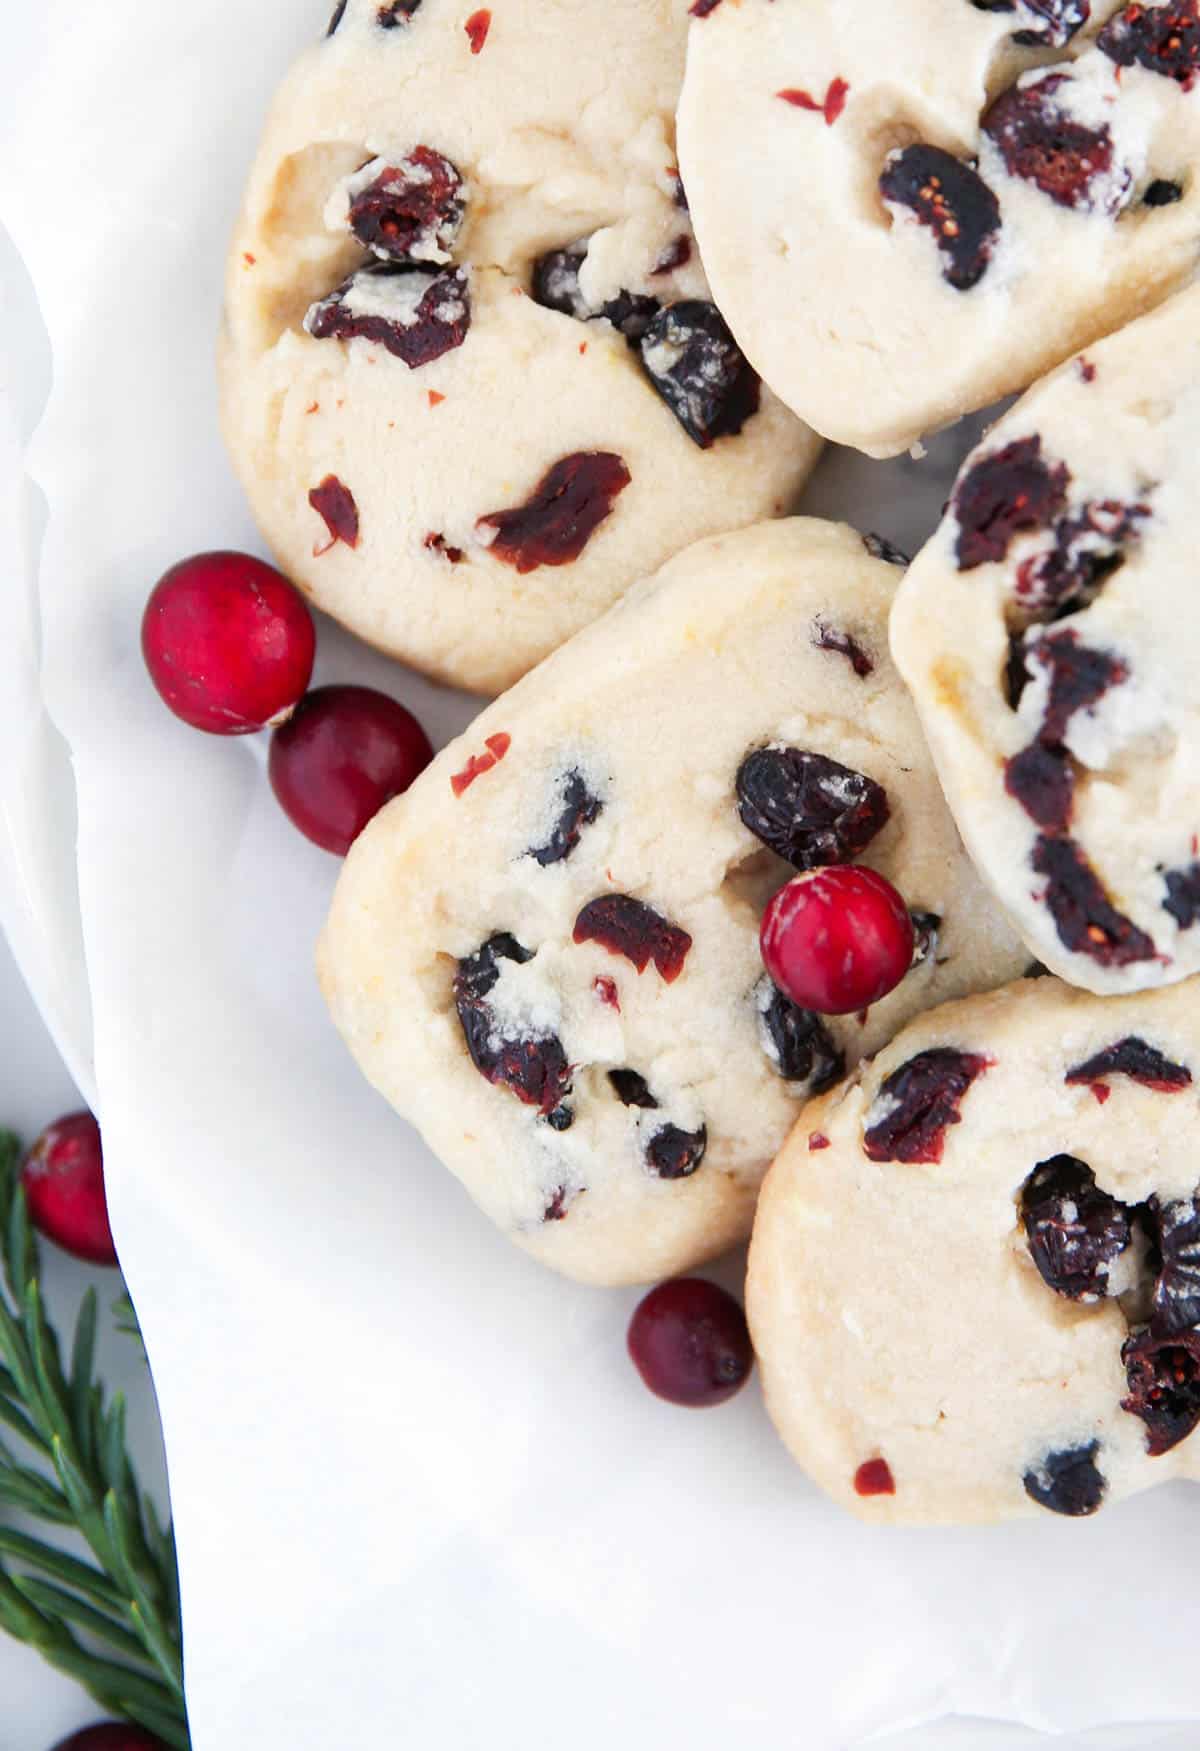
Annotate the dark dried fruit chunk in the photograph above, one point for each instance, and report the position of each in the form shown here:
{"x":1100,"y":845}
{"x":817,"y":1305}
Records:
{"x":1086,"y":549}
{"x":675,"y":1154}
{"x":579,"y":809}
{"x":628,"y":927}
{"x":879,"y":547}
{"x":557,"y":1205}
{"x":1074,"y":1230}
{"x":1164,"y":39}
{"x":797,"y":1042}
{"x":435,"y":542}
{"x":1132,"y":1057}
{"x":1041,"y":777}
{"x":1162,"y":193}
{"x":1040,"y":143}
{"x":808,"y":809}
{"x":397,"y":13}
{"x":1177,"y":1291}
{"x":1183,"y":895}
{"x":926,"y":929}
{"x":565,"y":509}
{"x":677,"y":254}
{"x":916,"y":1103}
{"x":1011,"y":490}
{"x":334,"y":504}
{"x":409,"y":209}
{"x":1086,"y":920}
{"x":828,"y":638}
{"x":702,"y":8}
{"x":1042,"y":780}
{"x":534,"y":1067}
{"x":1163,"y":1372}
{"x":695,"y":364}
{"x":949,"y":199}
{"x":632,"y":1089}
{"x":415,"y":313}
{"x":555,"y":285}
{"x":1052,"y":22}
{"x":339,"y":12}
{"x":1068,"y":1482}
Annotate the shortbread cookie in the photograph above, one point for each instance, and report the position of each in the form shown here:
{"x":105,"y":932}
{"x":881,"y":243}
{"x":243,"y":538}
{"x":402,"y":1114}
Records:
{"x":473,"y":380}
{"x":975,"y":1276}
{"x":910,"y":209}
{"x":546,"y":954}
{"x":1050,"y":632}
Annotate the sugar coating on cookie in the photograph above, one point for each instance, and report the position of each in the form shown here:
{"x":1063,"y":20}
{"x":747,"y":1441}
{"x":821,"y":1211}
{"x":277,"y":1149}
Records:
{"x":909,"y":210}
{"x":546,"y":954}
{"x":974,"y":1283}
{"x":466,"y":314}
{"x":1050,"y":632}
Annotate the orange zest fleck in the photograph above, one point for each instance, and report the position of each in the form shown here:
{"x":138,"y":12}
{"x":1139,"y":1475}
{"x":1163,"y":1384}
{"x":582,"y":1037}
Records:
{"x":830,"y":106}
{"x":478,"y":764}
{"x":434,"y":398}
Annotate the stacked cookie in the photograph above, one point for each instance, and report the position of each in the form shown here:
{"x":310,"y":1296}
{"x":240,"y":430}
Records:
{"x":485,"y":366}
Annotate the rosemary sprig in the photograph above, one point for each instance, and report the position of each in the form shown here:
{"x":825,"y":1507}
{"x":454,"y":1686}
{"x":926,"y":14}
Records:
{"x":112,"y":1623}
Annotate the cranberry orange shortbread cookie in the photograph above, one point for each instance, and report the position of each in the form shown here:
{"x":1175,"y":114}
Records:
{"x":473,"y":379}
{"x":1050,"y":632}
{"x":546,"y":953}
{"x":909,"y":208}
{"x":975,"y":1277}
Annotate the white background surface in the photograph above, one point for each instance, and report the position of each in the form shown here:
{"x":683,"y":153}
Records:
{"x":421,"y":1497}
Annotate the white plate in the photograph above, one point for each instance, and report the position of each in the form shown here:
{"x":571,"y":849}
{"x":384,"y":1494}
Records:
{"x":420,"y":1494}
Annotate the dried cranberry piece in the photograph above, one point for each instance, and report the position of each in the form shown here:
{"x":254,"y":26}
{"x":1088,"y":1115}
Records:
{"x":339,"y":12}
{"x":397,"y":13}
{"x":334,"y":504}
{"x":561,"y":515}
{"x":534,"y":1068}
{"x":1055,"y":21}
{"x":1086,"y":920}
{"x":555,"y":282}
{"x":477,"y":28}
{"x":1162,"y":193}
{"x":828,"y":638}
{"x":1016,"y":675}
{"x":579,"y":809}
{"x":808,"y":809}
{"x":1163,"y":1371}
{"x":1134,"y":1058}
{"x":628,"y":927}
{"x":697,"y":367}
{"x":1011,"y":490}
{"x":702,"y":8}
{"x":409,"y":210}
{"x":1073,"y":1229}
{"x":675,"y":1154}
{"x":1164,"y":39}
{"x":1177,"y":1291}
{"x":1068,"y":1481}
{"x":557,"y":1205}
{"x":950,"y":199}
{"x":1087,"y":548}
{"x":797,"y":1041}
{"x":435,"y":542}
{"x":677,"y":254}
{"x":1040,"y":777}
{"x":1040,"y":143}
{"x":555,"y":285}
{"x":415,"y":313}
{"x":632,"y":1089}
{"x":1183,"y":895}
{"x":916,"y":1103}
{"x":874,"y":1478}
{"x":1042,"y":780}
{"x":926,"y":930}
{"x":879,"y":547}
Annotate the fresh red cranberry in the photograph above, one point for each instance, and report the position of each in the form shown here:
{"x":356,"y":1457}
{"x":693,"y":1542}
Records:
{"x":63,"y":1181}
{"x":344,"y":753}
{"x":837,"y":940}
{"x":690,"y":1343}
{"x":229,"y":643}
{"x":111,"y":1736}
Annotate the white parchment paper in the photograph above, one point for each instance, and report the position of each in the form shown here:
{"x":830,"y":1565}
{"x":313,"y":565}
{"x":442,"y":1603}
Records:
{"x":421,"y":1497}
